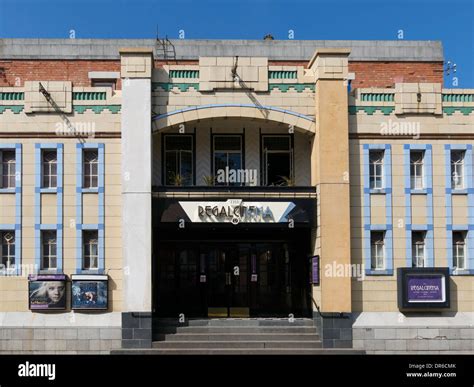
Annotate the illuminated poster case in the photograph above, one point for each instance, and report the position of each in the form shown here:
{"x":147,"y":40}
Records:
{"x":47,"y":291}
{"x":423,"y":288}
{"x":89,"y":292}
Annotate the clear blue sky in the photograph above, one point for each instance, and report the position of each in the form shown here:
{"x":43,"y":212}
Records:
{"x":451,"y":21}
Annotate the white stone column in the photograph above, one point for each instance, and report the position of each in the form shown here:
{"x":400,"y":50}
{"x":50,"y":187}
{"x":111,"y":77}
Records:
{"x":136,"y":69}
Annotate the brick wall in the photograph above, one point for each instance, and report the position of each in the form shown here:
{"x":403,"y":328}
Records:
{"x":16,"y":72}
{"x":368,"y":74}
{"x":385,"y":74}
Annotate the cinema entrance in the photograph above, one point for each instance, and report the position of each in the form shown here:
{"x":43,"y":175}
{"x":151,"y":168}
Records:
{"x":230,"y":270}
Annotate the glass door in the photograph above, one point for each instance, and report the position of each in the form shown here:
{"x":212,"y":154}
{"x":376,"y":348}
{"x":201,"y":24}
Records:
{"x":228,"y":281}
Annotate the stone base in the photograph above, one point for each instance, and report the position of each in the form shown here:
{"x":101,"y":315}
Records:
{"x":136,"y":330}
{"x":397,"y":333}
{"x":335,"y":329}
{"x":71,"y":340}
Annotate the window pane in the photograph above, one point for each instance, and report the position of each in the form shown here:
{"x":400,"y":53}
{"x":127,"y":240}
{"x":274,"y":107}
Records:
{"x":276,"y":143}
{"x":181,"y":142}
{"x":457,"y":168}
{"x":186,"y":167}
{"x":171,"y":171}
{"x":228,"y":143}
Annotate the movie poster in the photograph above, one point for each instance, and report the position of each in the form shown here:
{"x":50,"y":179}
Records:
{"x":47,"y":292}
{"x":89,"y":292}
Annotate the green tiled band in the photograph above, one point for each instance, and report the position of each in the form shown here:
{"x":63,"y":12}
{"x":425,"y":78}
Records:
{"x":89,"y":95}
{"x":370,"y":110}
{"x":11,"y":96}
{"x":97,"y":109}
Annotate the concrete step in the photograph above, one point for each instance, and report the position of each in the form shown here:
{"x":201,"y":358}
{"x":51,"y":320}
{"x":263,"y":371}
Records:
{"x":234,"y":329}
{"x":238,"y":337}
{"x":241,"y":351}
{"x":234,"y":322}
{"x":235,"y":344}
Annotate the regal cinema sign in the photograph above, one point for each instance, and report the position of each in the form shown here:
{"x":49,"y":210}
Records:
{"x":236,"y":211}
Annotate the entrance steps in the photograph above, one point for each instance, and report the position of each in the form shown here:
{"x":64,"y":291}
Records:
{"x":236,"y":336}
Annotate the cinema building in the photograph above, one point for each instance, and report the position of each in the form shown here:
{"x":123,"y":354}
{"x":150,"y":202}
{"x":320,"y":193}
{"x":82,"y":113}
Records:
{"x":234,"y":197}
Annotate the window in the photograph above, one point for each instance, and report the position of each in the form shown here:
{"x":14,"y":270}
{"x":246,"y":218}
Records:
{"x":227,"y":158}
{"x":8,"y":169}
{"x":457,"y":169}
{"x":49,"y":255}
{"x":50,"y":169}
{"x":418,"y":248}
{"x":376,"y":169}
{"x":377,"y":250}
{"x":277,"y":160}
{"x":459,"y":249}
{"x":8,"y":248}
{"x":179,"y":160}
{"x":91,"y":169}
{"x":416,"y":169}
{"x":104,"y":83}
{"x":90,"y":250}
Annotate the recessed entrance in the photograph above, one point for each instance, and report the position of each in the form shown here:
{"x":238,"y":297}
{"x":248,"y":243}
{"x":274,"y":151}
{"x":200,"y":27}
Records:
{"x":228,"y":276}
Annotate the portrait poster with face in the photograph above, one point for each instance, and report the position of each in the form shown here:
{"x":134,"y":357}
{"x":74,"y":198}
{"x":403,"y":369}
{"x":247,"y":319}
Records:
{"x":89,"y":292}
{"x":47,"y":292}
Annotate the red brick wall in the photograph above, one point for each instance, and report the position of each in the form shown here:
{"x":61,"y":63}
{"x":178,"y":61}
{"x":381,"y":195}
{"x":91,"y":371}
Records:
{"x":367,"y":74}
{"x":384,"y":74}
{"x":16,"y":72}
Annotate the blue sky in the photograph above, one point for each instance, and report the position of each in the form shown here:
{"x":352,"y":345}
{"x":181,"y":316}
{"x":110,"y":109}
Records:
{"x":451,"y":21}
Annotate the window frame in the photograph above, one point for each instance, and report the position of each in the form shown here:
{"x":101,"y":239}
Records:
{"x":49,"y":176}
{"x":455,"y":250}
{"x":50,"y":256}
{"x":462,"y":166}
{"x":213,"y":153}
{"x":10,"y":165}
{"x":413,"y":164}
{"x":164,"y":152}
{"x":87,"y":238}
{"x":11,"y":246}
{"x":415,"y":246}
{"x":376,"y":258}
{"x":291,"y":152}
{"x":373,"y":176}
{"x":88,"y":177}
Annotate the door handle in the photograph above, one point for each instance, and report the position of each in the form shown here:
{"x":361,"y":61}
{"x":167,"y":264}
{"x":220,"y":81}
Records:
{"x":228,"y":279}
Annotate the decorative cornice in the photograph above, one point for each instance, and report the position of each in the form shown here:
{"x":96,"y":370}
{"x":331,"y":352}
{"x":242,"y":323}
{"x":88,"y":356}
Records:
{"x":16,"y":109}
{"x":465,"y":110}
{"x":97,"y":109}
{"x":370,"y":110}
{"x":168,"y":86}
{"x":284,"y":87}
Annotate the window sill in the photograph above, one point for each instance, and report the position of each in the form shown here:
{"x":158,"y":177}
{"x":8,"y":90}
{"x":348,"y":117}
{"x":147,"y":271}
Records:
{"x":378,"y":191}
{"x":458,"y":191}
{"x":90,"y":190}
{"x":373,"y":272}
{"x":419,"y":191}
{"x":91,"y":271}
{"x":48,"y":190}
{"x":49,"y":271}
{"x":462,"y":272}
{"x":7,"y":190}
